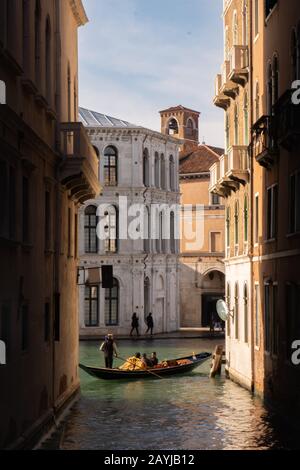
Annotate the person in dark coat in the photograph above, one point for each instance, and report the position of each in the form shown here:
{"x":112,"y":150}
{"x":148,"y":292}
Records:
{"x":110,"y":350}
{"x":150,"y":324}
{"x":135,"y":324}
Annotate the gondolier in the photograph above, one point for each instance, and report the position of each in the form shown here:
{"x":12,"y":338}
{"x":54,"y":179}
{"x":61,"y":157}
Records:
{"x":109,"y":348}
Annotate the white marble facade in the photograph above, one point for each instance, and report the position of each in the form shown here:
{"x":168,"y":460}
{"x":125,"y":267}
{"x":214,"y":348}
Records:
{"x":145,"y":272}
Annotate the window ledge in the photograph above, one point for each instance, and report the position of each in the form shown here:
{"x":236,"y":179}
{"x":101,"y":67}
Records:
{"x":293,"y":235}
{"x":270,"y":240}
{"x":270,"y":14}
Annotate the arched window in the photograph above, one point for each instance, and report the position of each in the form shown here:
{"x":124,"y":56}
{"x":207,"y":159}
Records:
{"x":190,"y":128}
{"x":111,"y":229}
{"x":269,"y":90}
{"x":228,"y":302}
{"x":146,"y":297}
{"x":245,"y":23}
{"x":246,"y":216}
{"x":246,"y":119}
{"x":275,"y":80}
{"x":235,"y":29}
{"x":146,"y":172}
{"x":236,"y":310}
{"x":246,"y":303}
{"x":228,"y":228}
{"x":162,"y":172}
{"x":294,"y":55}
{"x":173,"y":128}
{"x":48,"y":61}
{"x":227,"y":42}
{"x":37,"y":42}
{"x":110,"y":166}
{"x":236,"y":125}
{"x":147,"y":230}
{"x":157,"y":170}
{"x":69,"y":92}
{"x":112,"y":304}
{"x":236,"y":224}
{"x":172,"y":173}
{"x":90,"y":230}
{"x":172,"y":233}
{"x":227,"y":132}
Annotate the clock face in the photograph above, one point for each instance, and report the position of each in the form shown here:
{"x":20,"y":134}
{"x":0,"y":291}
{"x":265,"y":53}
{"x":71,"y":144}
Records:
{"x":223,"y":310}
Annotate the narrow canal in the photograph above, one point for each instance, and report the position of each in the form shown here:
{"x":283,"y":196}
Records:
{"x":189,"y":412}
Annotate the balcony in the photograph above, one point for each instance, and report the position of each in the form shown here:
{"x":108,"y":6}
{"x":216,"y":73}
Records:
{"x":264,"y":145}
{"x":229,"y":88}
{"x":287,"y":121}
{"x":79,"y":168}
{"x":238,"y":164}
{"x":220,"y":100}
{"x":239,"y":65}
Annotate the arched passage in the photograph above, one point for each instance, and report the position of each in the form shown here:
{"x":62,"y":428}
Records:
{"x":213,"y":289}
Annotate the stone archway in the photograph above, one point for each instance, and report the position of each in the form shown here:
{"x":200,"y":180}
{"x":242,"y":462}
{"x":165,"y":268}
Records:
{"x":212,"y":289}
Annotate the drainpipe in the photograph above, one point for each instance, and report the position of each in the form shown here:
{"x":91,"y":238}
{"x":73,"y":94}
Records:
{"x":251,"y":205}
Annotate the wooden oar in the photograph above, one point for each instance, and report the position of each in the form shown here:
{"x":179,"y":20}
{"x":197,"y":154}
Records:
{"x":146,"y":370}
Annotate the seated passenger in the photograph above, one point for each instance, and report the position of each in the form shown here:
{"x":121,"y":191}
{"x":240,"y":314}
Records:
{"x":154,"y":359}
{"x":146,"y":361}
{"x":133,"y":363}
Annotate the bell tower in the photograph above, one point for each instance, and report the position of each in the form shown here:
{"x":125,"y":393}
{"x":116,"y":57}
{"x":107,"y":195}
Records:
{"x":182,"y":123}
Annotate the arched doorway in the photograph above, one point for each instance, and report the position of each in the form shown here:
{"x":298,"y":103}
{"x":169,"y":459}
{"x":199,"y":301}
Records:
{"x":213,"y":289}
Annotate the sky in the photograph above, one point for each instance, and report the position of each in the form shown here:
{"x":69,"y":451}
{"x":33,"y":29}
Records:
{"x":137,"y":57}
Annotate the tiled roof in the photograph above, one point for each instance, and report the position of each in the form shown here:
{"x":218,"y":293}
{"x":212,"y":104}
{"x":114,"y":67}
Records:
{"x":178,"y":108}
{"x":199,"y":160}
{"x":94,"y":119}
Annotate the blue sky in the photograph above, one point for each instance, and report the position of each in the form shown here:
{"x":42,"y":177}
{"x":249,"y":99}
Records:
{"x":137,"y":57}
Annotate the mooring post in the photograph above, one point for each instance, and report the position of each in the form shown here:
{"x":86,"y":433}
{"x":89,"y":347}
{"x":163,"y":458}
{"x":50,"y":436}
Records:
{"x":216,"y":367}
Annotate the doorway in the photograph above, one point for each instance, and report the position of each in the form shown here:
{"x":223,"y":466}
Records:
{"x":209,"y":309}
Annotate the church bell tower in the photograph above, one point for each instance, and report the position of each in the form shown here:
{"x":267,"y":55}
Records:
{"x":182,"y":123}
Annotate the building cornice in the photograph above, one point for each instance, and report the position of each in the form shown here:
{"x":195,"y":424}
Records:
{"x":78,"y":12}
{"x":134,"y":131}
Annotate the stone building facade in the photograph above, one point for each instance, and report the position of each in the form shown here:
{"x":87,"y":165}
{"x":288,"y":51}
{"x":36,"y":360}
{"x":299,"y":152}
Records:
{"x":47,"y":169}
{"x":142,"y":166}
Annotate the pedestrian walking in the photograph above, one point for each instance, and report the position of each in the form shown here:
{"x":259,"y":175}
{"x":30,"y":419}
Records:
{"x":150,"y":324}
{"x":135,"y":324}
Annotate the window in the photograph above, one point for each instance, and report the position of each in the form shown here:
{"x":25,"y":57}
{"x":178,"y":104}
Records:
{"x":246,"y":215}
{"x":292,"y":315}
{"x":110,"y":166}
{"x":57,"y":316}
{"x":48,"y":61}
{"x":146,"y":172}
{"x":157,"y":170}
{"x":25,"y":25}
{"x":158,"y":233}
{"x":270,"y":4}
{"x":5,"y":319}
{"x":298,"y":51}
{"x":235,"y":30}
{"x":162,"y":172}
{"x":75,"y":101}
{"x":47,"y":220}
{"x":236,"y":224}
{"x":272,"y":211}
{"x":2,"y":92}
{"x":90,"y":230}
{"x":294,"y":203}
{"x":294,"y":56}
{"x":189,"y":128}
{"x":69,"y":92}
{"x":47,"y":322}
{"x":228,"y":231}
{"x":91,"y":306}
{"x":111,"y":230}
{"x":37,"y":42}
{"x":267,"y":319}
{"x":215,"y":242}
{"x":147,"y":228}
{"x":112,"y":305}
{"x":24,"y":328}
{"x":172,"y":233}
{"x":173,"y":127}
{"x":228,"y":302}
{"x":172,"y":173}
{"x":275,"y":320}
{"x":270,"y":90}
{"x":257,"y":106}
{"x":256,"y":17}
{"x":236,"y":310}
{"x":236,"y":125}
{"x":275,"y":79}
{"x":227,"y":132}
{"x":246,"y":320}
{"x":25,"y":210}
{"x":246,"y":120}
{"x":256,"y":227}
{"x":215,"y":199}
{"x":76,"y":235}
{"x":245,"y":23}
{"x":257,"y":322}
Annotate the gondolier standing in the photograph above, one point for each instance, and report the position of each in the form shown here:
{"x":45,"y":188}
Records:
{"x":109,"y":348}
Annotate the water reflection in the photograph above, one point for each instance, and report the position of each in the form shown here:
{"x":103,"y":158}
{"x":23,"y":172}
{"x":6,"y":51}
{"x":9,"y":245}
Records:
{"x":184,"y":412}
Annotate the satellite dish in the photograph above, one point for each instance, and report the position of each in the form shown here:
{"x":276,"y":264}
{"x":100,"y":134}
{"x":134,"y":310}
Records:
{"x":223,"y":310}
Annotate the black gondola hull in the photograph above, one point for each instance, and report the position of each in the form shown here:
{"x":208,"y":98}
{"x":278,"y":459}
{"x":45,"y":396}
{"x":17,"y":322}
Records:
{"x":117,"y":374}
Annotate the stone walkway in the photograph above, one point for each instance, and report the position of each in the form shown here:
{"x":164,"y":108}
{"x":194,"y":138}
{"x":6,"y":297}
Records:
{"x":183,"y":333}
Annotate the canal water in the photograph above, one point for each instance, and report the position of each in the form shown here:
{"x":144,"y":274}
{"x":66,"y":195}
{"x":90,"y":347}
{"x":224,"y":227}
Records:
{"x":190,"y":412}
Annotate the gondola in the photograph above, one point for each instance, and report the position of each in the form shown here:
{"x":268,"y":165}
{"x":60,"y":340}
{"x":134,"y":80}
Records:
{"x":117,"y":374}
